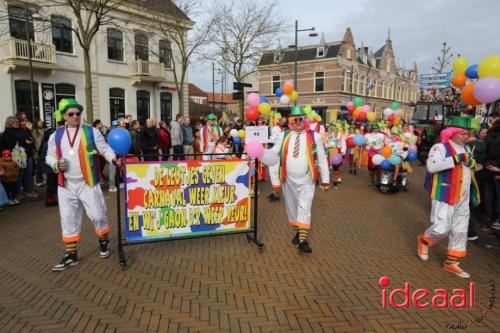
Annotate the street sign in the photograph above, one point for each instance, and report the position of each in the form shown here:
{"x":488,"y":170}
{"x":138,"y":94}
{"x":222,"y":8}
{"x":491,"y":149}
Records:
{"x":238,"y":96}
{"x":438,"y":80}
{"x":240,"y":85}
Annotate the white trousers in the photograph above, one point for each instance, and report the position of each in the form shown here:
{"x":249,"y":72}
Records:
{"x":274,"y":175}
{"x":452,"y":222}
{"x":298,"y":201}
{"x":73,"y":198}
{"x":210,"y":150}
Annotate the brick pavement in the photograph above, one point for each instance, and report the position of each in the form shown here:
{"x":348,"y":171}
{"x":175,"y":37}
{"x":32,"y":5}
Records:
{"x":224,"y":284}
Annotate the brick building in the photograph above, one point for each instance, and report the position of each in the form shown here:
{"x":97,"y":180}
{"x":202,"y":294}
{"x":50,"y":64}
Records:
{"x":332,"y":74}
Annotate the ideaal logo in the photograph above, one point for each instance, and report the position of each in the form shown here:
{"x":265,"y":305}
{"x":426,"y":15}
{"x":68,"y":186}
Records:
{"x":423,"y":298}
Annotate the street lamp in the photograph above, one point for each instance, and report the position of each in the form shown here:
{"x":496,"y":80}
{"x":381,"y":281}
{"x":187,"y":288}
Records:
{"x":311,"y":34}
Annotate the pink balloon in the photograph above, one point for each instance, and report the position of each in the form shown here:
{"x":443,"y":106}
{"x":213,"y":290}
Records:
{"x":253,"y":99}
{"x":254,"y":149}
{"x":365,"y":108}
{"x":397,"y":113}
{"x":350,"y":104}
{"x":412,"y":147}
{"x":487,"y":90}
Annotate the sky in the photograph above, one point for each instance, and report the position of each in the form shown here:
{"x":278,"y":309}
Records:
{"x":418,"y":28}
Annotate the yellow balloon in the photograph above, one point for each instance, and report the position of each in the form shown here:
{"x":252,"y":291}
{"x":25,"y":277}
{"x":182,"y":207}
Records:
{"x":241,"y":133}
{"x":294,"y":95}
{"x":489,"y":67}
{"x":371,"y":116}
{"x":265,"y":109}
{"x":460,"y":65}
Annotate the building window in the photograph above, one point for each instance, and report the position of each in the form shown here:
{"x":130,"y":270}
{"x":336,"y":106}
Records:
{"x":166,"y":107}
{"x":62,"y":35}
{"x":388,"y":67}
{"x":365,"y":82}
{"x":17,"y":23}
{"x":142,"y":106}
{"x":277,"y":57}
{"x":23,"y":97}
{"x":349,"y":54}
{"x":319,"y":81}
{"x":141,"y":48}
{"x":320,"y":51}
{"x":343,"y":81}
{"x":64,"y":90}
{"x":165,"y":54}
{"x":276,"y":83}
{"x":115,"y":45}
{"x":116,"y":103}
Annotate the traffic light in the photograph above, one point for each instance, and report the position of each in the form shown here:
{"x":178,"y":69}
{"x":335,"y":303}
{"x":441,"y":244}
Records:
{"x":239,"y":87}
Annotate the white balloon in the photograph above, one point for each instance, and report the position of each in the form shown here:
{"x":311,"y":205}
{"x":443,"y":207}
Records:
{"x":233,"y":132}
{"x":377,"y":159}
{"x":388,"y":112}
{"x":269,"y":157}
{"x":284,"y":100}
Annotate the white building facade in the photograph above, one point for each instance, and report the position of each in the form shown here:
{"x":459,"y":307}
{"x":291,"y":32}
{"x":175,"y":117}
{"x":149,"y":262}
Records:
{"x":131,"y":68}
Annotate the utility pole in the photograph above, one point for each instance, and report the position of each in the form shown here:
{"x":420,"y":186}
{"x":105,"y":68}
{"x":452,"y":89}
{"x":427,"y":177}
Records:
{"x":213,"y":87}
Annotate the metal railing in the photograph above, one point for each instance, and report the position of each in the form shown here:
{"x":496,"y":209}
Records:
{"x":146,"y":68}
{"x":18,"y":49}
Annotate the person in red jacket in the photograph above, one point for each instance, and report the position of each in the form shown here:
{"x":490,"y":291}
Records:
{"x":165,"y":141}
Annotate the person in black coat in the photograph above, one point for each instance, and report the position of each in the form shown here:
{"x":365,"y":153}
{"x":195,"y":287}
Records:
{"x":51,"y":199}
{"x":150,"y":141}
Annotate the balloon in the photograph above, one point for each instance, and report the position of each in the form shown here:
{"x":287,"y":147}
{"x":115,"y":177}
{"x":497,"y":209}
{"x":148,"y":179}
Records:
{"x":394,"y":160}
{"x":365,"y":108}
{"x":269,"y":157}
{"x":391,"y":118}
{"x":120,"y":141}
{"x":460,"y":65}
{"x":290,"y":82}
{"x":278,"y":92}
{"x":487,"y":90}
{"x":412,"y":147}
{"x":284,"y":100}
{"x":467,"y":95}
{"x":386,"y":151}
{"x":251,"y":114}
{"x":371,"y":116}
{"x":396,"y":121}
{"x":377,"y":159}
{"x":254,"y":149}
{"x":263,"y":99}
{"x":336,"y":159}
{"x":253,"y":99}
{"x":474,"y":124}
{"x":362,"y":115}
{"x":385,"y":164}
{"x":357,"y":101}
{"x":412,"y":156}
{"x":395,"y":106}
{"x":459,"y":80}
{"x":396,"y":113}
{"x":351,"y":108}
{"x":233,"y":133}
{"x":388,"y":112}
{"x":395,"y":138}
{"x":413,"y":139}
{"x":350,"y":142}
{"x":294,"y":95}
{"x":241,"y":133}
{"x":359,"y":140}
{"x":350,"y":104}
{"x":237,"y":140}
{"x":265,"y":109}
{"x":287,"y":89}
{"x":489,"y":67}
{"x":356,"y":114}
{"x":471,"y":72}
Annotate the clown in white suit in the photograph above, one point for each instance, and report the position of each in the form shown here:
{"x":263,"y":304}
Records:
{"x":73,"y":153}
{"x":301,"y":155}
{"x":209,"y":135}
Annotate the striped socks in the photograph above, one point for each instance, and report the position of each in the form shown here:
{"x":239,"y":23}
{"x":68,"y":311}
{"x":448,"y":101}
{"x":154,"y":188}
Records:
{"x":450,"y":260}
{"x":302,"y":235}
{"x":104,"y":238}
{"x":71,"y":247}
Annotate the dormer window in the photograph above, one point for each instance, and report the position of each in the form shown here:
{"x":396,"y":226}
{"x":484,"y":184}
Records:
{"x":349,"y":56}
{"x":320,"y":51}
{"x":277,"y":57}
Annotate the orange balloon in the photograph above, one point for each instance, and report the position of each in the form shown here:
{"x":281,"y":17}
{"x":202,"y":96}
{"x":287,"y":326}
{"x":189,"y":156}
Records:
{"x":356,"y":113}
{"x":459,"y":80}
{"x":397,"y":121}
{"x":287,"y":89}
{"x":386,"y":151}
{"x":467,"y":95}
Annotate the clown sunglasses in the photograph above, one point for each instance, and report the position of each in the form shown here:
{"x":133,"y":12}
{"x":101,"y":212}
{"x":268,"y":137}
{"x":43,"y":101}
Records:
{"x":77,"y":114}
{"x":297,"y":119}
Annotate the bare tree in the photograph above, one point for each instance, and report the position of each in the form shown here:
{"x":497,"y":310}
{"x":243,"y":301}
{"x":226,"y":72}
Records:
{"x":186,"y":37}
{"x":245,"y":30}
{"x":443,"y":60}
{"x":90,"y":16}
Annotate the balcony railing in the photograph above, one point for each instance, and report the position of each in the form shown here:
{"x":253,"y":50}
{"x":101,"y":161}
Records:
{"x":18,"y":50}
{"x":154,"y":71}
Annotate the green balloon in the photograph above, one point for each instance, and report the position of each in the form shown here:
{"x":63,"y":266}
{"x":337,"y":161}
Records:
{"x":474,"y":124}
{"x":395,"y":106}
{"x":357,"y":101}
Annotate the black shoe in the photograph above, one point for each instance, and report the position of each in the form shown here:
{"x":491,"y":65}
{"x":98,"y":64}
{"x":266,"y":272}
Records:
{"x":304,"y":247}
{"x":355,"y":172}
{"x":69,"y":260}
{"x":274,"y":198}
{"x":105,"y":249}
{"x":296,"y":240}
{"x":270,"y":196}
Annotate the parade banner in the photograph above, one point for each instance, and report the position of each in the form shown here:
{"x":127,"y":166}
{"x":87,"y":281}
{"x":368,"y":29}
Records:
{"x":179,"y":199}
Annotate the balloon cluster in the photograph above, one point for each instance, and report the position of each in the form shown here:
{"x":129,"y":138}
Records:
{"x":259,"y":106}
{"x":386,"y":157}
{"x":393,"y":114}
{"x":237,"y":136}
{"x":359,"y":111}
{"x":484,"y":90}
{"x":287,"y":93}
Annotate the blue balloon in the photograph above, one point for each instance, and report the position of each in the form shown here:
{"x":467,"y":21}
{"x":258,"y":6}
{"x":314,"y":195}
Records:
{"x":471,"y":72}
{"x":236,"y":139}
{"x":263,"y":99}
{"x":394,"y":160}
{"x":412,"y":156}
{"x":278,"y":92}
{"x":359,"y":140}
{"x":386,"y":165}
{"x":120,"y":141}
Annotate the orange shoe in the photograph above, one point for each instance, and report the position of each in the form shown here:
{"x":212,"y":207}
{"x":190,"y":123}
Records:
{"x":422,"y":248}
{"x":453,"y":268}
